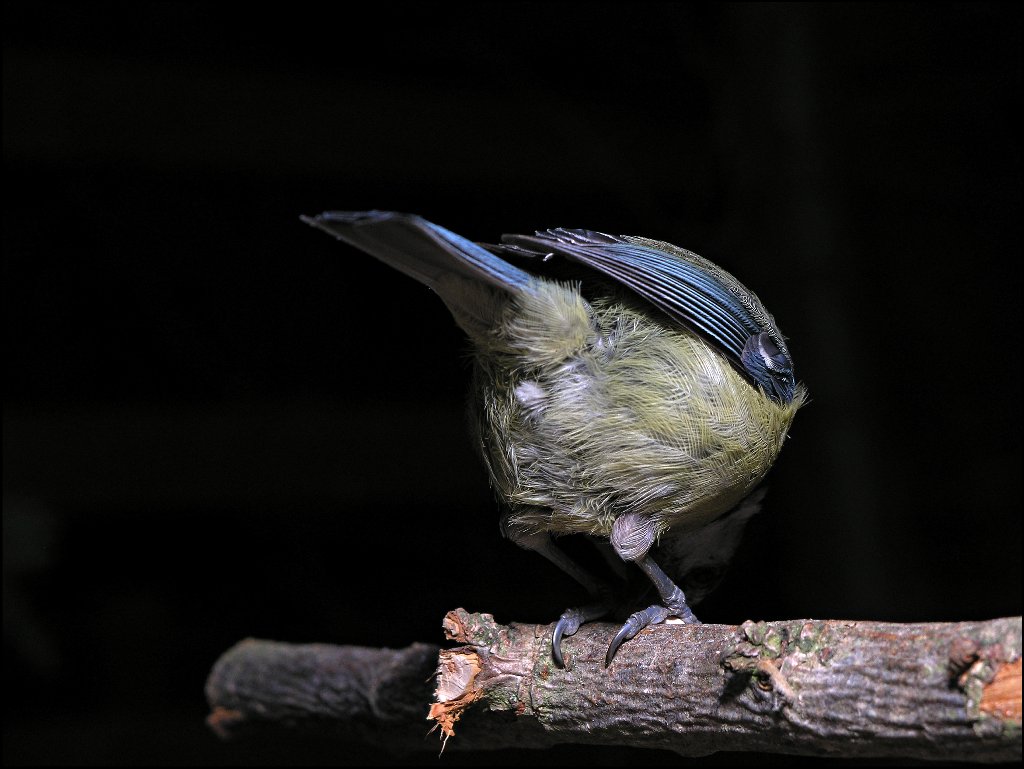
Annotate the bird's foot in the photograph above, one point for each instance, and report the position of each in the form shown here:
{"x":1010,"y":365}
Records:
{"x":652,"y":615}
{"x":571,"y":620}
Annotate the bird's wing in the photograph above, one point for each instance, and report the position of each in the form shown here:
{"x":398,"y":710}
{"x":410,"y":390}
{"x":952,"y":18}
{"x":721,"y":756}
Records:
{"x":688,"y":288}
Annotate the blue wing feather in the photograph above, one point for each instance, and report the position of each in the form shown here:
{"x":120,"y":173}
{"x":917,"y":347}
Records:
{"x":688,"y":288}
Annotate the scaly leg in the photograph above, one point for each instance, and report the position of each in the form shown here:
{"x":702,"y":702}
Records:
{"x":632,"y":538}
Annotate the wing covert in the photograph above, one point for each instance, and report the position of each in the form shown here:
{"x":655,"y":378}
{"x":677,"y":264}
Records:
{"x":691,"y":290}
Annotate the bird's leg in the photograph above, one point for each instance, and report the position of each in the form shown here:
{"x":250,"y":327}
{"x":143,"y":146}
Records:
{"x":632,"y":537}
{"x":573,"y":617}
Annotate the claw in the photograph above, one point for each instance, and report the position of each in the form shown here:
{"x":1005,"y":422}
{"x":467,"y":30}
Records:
{"x":567,"y":624}
{"x":627,"y":631}
{"x":637,"y":621}
{"x":571,"y":620}
{"x":556,"y":648}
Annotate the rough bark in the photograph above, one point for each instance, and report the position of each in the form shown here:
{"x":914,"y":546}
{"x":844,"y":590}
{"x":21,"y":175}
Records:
{"x":949,"y":691}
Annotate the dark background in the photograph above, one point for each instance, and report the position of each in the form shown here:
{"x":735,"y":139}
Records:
{"x":218,"y":423}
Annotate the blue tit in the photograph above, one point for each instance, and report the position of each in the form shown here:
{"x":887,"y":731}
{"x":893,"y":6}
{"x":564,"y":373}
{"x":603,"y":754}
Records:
{"x":640,"y":401}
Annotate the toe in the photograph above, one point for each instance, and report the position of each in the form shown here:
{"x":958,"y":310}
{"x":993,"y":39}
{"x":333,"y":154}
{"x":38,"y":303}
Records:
{"x":567,"y":624}
{"x":637,"y":621}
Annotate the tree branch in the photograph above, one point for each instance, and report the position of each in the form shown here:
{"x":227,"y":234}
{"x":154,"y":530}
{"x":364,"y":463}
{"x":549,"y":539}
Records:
{"x":948,"y":691}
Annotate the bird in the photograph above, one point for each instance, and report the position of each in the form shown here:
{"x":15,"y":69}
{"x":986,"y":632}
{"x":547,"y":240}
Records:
{"x":623,"y":388}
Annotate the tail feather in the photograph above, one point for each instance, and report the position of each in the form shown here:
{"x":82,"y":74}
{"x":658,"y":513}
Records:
{"x":421,"y":249}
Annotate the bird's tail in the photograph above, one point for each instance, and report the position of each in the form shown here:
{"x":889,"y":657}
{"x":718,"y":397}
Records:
{"x":448,"y":263}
